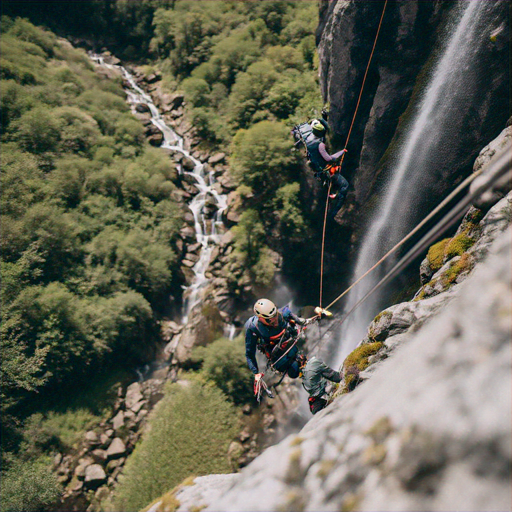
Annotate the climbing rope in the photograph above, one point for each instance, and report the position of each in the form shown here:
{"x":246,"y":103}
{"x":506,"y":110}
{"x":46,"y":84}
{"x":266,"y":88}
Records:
{"x":346,"y":144}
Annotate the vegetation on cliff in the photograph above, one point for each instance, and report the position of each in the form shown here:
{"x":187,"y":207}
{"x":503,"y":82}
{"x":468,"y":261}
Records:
{"x":88,"y":231}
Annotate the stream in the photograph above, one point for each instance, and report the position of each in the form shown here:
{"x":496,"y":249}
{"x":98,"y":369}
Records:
{"x":208,"y":231}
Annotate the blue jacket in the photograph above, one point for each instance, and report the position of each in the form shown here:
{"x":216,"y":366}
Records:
{"x":258,"y":335}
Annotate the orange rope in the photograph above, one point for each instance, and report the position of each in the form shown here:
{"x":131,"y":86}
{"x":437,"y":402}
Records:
{"x":346,"y":144}
{"x":323,"y":243}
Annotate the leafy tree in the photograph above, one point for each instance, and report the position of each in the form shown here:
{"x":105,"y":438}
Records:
{"x":262,"y":158}
{"x":36,"y":131}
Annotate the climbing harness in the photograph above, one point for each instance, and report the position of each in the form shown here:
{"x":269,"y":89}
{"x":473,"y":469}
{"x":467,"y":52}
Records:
{"x":346,"y":144}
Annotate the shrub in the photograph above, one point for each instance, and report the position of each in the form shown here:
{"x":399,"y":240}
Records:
{"x":223,"y":362}
{"x":28,"y":487}
{"x":190,"y":433}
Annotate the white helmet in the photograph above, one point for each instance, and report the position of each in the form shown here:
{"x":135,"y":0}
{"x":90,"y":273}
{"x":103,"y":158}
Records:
{"x":265,"y":308}
{"x":317,"y":126}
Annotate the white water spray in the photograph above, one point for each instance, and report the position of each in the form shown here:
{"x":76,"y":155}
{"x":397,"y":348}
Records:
{"x":430,"y":132}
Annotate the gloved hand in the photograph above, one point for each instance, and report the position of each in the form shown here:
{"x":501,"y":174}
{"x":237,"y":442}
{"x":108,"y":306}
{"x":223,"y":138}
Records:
{"x":325,"y":114}
{"x":257,"y":379}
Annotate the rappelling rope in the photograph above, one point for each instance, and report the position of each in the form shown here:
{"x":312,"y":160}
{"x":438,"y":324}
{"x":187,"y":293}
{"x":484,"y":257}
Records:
{"x":445,"y":223}
{"x":346,"y":144}
{"x":434,"y":212}
{"x":323,"y":245}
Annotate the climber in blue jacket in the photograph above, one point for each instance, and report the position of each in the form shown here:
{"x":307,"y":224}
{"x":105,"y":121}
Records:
{"x":272,"y":331}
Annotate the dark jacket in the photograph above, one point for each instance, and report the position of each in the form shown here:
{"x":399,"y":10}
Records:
{"x":261,"y":336}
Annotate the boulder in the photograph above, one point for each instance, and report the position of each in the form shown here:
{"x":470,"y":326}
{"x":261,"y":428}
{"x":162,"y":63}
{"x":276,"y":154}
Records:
{"x":92,"y":438}
{"x":133,"y":395}
{"x":116,"y":450}
{"x":153,"y":77}
{"x":499,"y":148}
{"x":118,"y":420}
{"x":138,"y":406}
{"x":142,"y":108}
{"x":217,"y":158}
{"x":156,"y":139}
{"x":99,"y":455}
{"x":94,"y":476}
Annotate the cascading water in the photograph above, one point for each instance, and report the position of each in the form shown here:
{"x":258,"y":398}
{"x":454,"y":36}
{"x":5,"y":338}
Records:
{"x":206,"y":233}
{"x":432,"y":133}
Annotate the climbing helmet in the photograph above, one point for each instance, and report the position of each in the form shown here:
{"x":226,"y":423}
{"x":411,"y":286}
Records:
{"x":317,"y":126}
{"x":265,"y":310}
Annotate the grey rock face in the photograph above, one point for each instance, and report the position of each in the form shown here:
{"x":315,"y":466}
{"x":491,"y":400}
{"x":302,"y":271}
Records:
{"x":499,"y":147}
{"x":429,"y":431}
{"x":402,"y":60}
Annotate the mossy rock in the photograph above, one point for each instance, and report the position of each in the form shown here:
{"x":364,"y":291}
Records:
{"x":382,"y":314}
{"x":359,"y":356}
{"x":463,"y":265}
{"x":436,"y":253}
{"x":458,"y":245}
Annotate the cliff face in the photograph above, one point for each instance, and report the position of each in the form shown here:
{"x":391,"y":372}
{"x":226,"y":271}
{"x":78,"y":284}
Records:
{"x":429,"y":428}
{"x":408,"y":46}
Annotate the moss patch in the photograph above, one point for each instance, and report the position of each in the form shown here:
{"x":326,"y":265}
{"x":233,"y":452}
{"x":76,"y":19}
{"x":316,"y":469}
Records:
{"x":325,"y":468}
{"x":382,"y":314}
{"x":436,"y":253}
{"x":458,"y":245}
{"x":359,"y":356}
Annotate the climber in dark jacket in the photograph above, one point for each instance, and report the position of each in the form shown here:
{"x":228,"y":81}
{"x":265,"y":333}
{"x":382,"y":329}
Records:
{"x":315,"y":374}
{"x":312,"y":134}
{"x":265,"y":330}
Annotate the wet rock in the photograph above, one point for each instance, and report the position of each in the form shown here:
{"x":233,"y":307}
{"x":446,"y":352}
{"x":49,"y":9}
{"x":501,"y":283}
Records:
{"x":94,"y":476}
{"x":117,"y":449}
{"x":142,"y":108}
{"x":156,"y":139}
{"x":188,"y":164}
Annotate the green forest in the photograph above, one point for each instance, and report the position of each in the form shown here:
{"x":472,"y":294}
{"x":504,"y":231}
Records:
{"x":90,"y":234}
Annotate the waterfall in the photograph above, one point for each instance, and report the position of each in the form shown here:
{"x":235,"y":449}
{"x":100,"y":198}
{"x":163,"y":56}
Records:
{"x":432,"y":132}
{"x":206,"y":233}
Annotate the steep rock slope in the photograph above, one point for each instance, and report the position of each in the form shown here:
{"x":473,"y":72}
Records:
{"x":422,"y":434}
